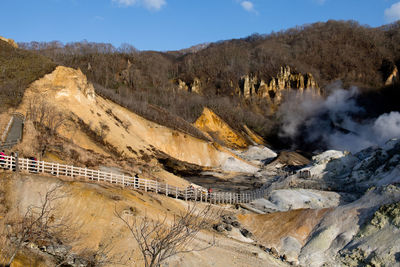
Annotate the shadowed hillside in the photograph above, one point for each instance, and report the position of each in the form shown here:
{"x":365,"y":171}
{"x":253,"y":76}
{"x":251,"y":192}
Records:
{"x":19,"y":68}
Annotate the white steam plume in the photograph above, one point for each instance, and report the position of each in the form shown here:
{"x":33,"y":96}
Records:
{"x":331,"y":121}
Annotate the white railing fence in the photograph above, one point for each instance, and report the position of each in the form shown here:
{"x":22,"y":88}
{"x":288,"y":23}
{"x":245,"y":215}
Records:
{"x":188,"y":193}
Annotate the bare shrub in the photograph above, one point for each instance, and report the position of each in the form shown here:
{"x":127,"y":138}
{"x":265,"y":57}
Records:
{"x":102,"y":130}
{"x":161,"y":239}
{"x":45,"y":115}
{"x":37,"y":225}
{"x":47,"y":119}
{"x":41,"y":228}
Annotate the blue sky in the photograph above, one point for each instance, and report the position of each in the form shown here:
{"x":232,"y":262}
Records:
{"x":175,"y":24}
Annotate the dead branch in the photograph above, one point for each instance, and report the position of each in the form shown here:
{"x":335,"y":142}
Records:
{"x":159,"y":240}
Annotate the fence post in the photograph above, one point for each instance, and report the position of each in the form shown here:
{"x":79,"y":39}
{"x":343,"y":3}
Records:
{"x":156,"y":187}
{"x":176,"y":192}
{"x":9,"y":159}
{"x":166,"y":189}
{"x":123,"y":179}
{"x":145,"y":185}
{"x":16,"y":162}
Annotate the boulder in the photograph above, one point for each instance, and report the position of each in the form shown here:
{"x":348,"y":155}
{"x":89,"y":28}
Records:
{"x":228,"y":227}
{"x":236,"y":224}
{"x":245,"y":232}
{"x":219,"y":227}
{"x":274,"y":252}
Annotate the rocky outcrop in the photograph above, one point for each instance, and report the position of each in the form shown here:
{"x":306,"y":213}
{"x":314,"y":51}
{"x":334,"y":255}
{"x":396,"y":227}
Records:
{"x":65,"y":81}
{"x":10,"y":41}
{"x":220,"y":131}
{"x":393,"y":77}
{"x":194,"y":86}
{"x":255,"y":138}
{"x":375,"y":244}
{"x":251,"y":86}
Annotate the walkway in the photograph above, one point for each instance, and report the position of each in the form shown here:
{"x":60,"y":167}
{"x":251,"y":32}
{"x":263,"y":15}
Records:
{"x":14,"y":131}
{"x":188,"y":193}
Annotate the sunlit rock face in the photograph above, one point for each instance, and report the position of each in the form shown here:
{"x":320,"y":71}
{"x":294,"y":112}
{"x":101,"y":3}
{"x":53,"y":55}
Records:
{"x":393,"y":77}
{"x":213,"y":125}
{"x":194,"y":86}
{"x":251,"y":86}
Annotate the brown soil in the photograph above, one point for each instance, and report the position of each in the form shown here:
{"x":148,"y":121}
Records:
{"x":270,"y":228}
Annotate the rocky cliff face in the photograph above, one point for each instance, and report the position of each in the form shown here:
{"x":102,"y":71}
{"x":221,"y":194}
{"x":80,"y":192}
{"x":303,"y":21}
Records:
{"x":194,"y":86}
{"x":213,"y":125}
{"x":65,"y":81}
{"x":250,"y":86}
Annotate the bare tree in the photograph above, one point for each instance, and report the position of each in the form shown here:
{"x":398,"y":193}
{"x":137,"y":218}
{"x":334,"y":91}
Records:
{"x":47,"y":119}
{"x":41,"y":228}
{"x":38,"y":224}
{"x":45,"y":115}
{"x":159,"y":240}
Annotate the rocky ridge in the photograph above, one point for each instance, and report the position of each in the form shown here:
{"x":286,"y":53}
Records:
{"x":10,"y":41}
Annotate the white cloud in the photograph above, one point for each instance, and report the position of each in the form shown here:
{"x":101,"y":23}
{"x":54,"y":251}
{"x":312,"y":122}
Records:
{"x":393,"y":13}
{"x":149,"y":4}
{"x":248,"y":6}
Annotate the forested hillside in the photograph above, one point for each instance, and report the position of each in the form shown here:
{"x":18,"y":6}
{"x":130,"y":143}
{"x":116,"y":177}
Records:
{"x":19,"y":68}
{"x":150,"y":83}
